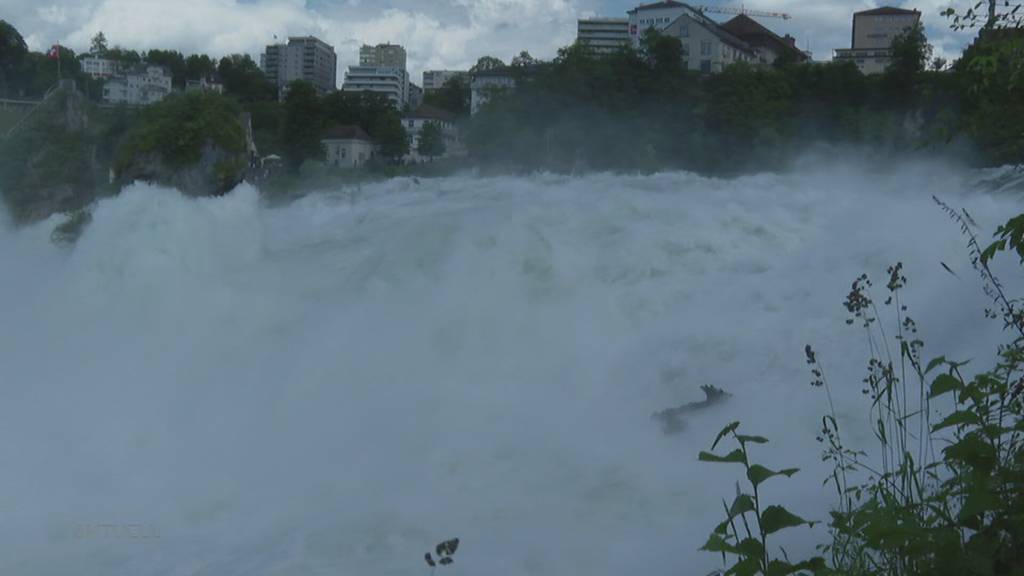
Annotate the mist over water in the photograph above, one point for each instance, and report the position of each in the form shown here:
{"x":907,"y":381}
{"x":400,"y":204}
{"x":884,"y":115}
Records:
{"x":336,"y":385}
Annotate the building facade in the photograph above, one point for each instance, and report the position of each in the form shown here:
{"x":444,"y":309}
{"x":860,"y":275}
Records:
{"x":603,"y":35}
{"x":659,"y":16}
{"x":485,"y":84}
{"x":707,"y":47}
{"x":391,"y":82}
{"x":304,"y":58}
{"x":382,"y":70}
{"x":767,"y":45}
{"x":97,"y":67}
{"x":347,"y":147}
{"x":383,"y":56}
{"x":414,"y":122}
{"x":140,"y":85}
{"x":872,"y":37}
{"x":436,"y":79}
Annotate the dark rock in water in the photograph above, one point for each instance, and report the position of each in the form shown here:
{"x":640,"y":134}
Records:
{"x":71,"y":229}
{"x":673,"y":419}
{"x":217,"y":171}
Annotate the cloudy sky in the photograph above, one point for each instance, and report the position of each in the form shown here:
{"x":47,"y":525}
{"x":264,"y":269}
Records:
{"x":437,"y":33}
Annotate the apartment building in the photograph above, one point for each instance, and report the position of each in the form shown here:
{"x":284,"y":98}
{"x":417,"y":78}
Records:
{"x":304,"y":58}
{"x":603,"y":35}
{"x":97,"y":67}
{"x":138,"y":85}
{"x":382,"y":70}
{"x":436,"y":79}
{"x":872,"y":37}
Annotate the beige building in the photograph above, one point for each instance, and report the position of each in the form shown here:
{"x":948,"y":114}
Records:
{"x":603,"y":35}
{"x":347,"y":147}
{"x":383,"y":56}
{"x":436,"y":79}
{"x":873,"y":34}
{"x":303,"y":58}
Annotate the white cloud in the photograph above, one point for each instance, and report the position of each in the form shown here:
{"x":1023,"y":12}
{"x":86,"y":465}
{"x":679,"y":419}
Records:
{"x":442,"y":34}
{"x":436,"y":33}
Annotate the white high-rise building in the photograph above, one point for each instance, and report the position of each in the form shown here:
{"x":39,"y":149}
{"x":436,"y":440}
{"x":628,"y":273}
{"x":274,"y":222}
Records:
{"x":302,"y":58}
{"x":391,"y":82}
{"x":381,"y":70}
{"x":873,"y":34}
{"x":603,"y":35}
{"x":436,"y":79}
{"x":383,"y":56}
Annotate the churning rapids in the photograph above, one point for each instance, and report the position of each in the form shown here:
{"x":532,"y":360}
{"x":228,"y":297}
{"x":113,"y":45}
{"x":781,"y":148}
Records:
{"x":331,"y":387}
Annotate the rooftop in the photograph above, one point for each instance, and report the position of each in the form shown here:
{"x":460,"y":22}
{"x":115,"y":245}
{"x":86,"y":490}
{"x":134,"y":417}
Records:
{"x":346,"y":133}
{"x":431,"y":113}
{"x":887,"y":11}
{"x":658,"y":5}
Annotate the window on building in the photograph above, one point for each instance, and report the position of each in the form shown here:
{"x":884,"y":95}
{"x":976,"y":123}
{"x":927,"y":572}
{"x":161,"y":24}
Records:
{"x":705,"y":48}
{"x":705,"y":66}
{"x":684,"y":30}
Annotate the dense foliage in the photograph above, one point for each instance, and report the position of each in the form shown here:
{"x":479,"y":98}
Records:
{"x":638,"y":109}
{"x":177,"y":128}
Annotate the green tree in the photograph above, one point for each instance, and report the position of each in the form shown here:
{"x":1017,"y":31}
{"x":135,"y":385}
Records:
{"x":243,"y":79}
{"x":123,"y":55}
{"x":391,"y":137}
{"x":173,"y":60}
{"x":98,"y":47}
{"x":431,"y":141}
{"x":199,"y":66}
{"x":486,"y":63}
{"x":303,"y":124}
{"x":523,"y":59}
{"x":12,"y":55}
{"x":663,"y":52}
{"x":454,"y":96}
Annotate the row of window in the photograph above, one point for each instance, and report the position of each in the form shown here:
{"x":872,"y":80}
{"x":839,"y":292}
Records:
{"x":659,"y":20}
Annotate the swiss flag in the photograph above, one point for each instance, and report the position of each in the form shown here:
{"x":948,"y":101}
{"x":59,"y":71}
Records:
{"x":54,"y":52}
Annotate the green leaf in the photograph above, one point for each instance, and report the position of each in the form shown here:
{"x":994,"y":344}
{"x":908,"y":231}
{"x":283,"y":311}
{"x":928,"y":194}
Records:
{"x":958,"y":418}
{"x":751,"y":548}
{"x":934,"y":363}
{"x":753,"y":439}
{"x":741,"y":505}
{"x":943,"y":384}
{"x":758,"y":474}
{"x":716,"y":543}
{"x":990,"y":252}
{"x":736,"y":456}
{"x":730,"y":428}
{"x":775,"y":518}
{"x":745,"y":567}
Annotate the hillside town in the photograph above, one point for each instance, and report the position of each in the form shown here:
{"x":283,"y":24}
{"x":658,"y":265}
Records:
{"x":708,"y":47}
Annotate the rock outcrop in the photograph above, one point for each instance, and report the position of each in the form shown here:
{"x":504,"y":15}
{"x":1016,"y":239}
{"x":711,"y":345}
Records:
{"x":48,"y":164}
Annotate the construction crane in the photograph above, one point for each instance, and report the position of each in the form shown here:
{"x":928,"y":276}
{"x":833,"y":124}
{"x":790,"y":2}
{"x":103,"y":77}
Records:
{"x":743,"y":11}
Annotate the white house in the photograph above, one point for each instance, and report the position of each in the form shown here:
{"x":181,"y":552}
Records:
{"x":485,"y":84}
{"x":97,"y":67}
{"x":141,"y":85}
{"x":414,"y":123}
{"x":347,"y":146}
{"x":707,"y":47}
{"x":204,"y":85}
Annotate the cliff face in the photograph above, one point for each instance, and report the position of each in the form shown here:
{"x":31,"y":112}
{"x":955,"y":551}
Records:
{"x":49,"y":164}
{"x":217,"y":171}
{"x":194,"y":142}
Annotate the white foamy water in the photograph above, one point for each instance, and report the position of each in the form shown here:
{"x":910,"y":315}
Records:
{"x":334,"y":386}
